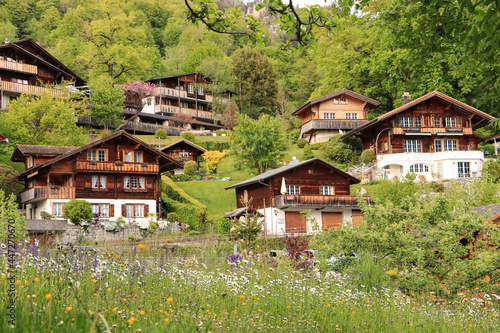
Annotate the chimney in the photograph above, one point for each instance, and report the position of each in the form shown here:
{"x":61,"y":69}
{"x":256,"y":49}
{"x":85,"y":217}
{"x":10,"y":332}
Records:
{"x":406,"y":98}
{"x":91,"y":136}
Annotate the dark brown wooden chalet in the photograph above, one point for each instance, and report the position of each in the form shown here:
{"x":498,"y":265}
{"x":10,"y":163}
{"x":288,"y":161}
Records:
{"x":431,"y":135}
{"x":184,"y":150}
{"x":25,"y":67}
{"x":281,"y":194}
{"x":335,"y":113}
{"x":119,"y":175}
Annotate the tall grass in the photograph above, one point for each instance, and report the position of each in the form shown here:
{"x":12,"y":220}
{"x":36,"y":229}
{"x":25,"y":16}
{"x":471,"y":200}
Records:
{"x":151,"y":291}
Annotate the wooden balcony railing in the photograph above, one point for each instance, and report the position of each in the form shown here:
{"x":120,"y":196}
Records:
{"x":171,"y":92}
{"x":117,"y":167}
{"x":284,"y":201}
{"x":33,"y":90}
{"x":18,"y":67}
{"x":330,"y":124}
{"x":432,"y":130}
{"x":47,"y":192}
{"x":176,"y":109}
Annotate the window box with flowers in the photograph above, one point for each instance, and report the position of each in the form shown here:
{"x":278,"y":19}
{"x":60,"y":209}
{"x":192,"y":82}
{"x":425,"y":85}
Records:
{"x":119,"y":163}
{"x":92,"y":163}
{"x":144,"y":165}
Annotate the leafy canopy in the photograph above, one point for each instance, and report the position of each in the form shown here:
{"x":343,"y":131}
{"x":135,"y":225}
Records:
{"x":260,"y":144}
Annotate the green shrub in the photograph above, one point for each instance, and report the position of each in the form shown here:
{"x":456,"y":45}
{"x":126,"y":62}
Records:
{"x":224,"y":225}
{"x":293,"y":135}
{"x":105,"y":133}
{"x":302,"y":142}
{"x":216,"y":145}
{"x":220,"y":132}
{"x":172,"y":217}
{"x":367,"y":156}
{"x":78,"y":211}
{"x":188,"y":136}
{"x":161,"y":133}
{"x":45,"y":216}
{"x":318,"y":145}
{"x":185,"y":178}
{"x":193,"y":233}
{"x":190,"y":168}
{"x":308,"y":153}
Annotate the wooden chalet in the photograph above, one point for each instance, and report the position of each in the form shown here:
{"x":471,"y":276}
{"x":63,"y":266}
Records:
{"x":25,"y":67}
{"x":430,"y":136}
{"x":183,"y":151}
{"x":333,"y":114}
{"x":281,"y":194}
{"x":187,"y":94}
{"x":119,"y":175}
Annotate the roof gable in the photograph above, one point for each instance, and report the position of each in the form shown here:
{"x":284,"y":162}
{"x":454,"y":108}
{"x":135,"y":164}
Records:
{"x":21,"y":151}
{"x":271,"y":173}
{"x":178,"y":142}
{"x":337,"y":94}
{"x":170,"y":162}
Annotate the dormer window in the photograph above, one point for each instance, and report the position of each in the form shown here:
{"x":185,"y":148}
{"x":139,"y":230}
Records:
{"x":344,"y":101}
{"x":335,"y":101}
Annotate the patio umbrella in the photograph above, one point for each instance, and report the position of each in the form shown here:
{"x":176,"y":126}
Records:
{"x":283,"y":186}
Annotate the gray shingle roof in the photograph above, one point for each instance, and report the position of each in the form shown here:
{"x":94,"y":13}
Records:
{"x":43,"y":150}
{"x":488,"y":211}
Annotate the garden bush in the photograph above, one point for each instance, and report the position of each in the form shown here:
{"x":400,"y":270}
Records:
{"x":172,"y":217}
{"x":301,"y":143}
{"x":188,"y":136}
{"x":308,"y":153}
{"x":161,"y":133}
{"x":190,"y":168}
{"x":367,"y":156}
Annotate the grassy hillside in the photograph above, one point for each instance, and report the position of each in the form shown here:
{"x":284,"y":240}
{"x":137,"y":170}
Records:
{"x":212,"y":195}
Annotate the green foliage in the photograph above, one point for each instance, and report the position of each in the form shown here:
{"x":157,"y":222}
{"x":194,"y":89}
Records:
{"x":301,"y":143}
{"x":42,"y":120}
{"x":105,"y":133}
{"x":45,"y":216}
{"x":79,"y":212}
{"x":184,"y":178}
{"x":193,"y":233}
{"x":190,"y":168}
{"x":489,"y":149}
{"x":425,"y":236}
{"x":161,"y":133}
{"x":248,"y":228}
{"x":13,"y":223}
{"x":107,"y":101}
{"x":259,"y":143}
{"x":188,"y":136}
{"x":491,"y":171}
{"x":367,"y":156}
{"x":8,"y":180}
{"x":223,"y":225}
{"x":257,"y":84}
{"x":308,"y":153}
{"x":337,"y":151}
{"x":172,"y":217}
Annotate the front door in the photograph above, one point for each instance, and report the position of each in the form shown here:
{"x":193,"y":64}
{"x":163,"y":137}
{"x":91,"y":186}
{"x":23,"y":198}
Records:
{"x":295,"y":223}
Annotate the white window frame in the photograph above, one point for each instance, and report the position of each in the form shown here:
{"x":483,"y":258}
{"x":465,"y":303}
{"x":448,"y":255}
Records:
{"x":134,"y":210}
{"x":292,"y":189}
{"x":437,"y":122}
{"x":201,"y":91}
{"x":138,"y":156}
{"x":128,"y":156}
{"x":134,"y":182}
{"x":450,"y":145}
{"x":438,"y":145}
{"x":329,"y":115}
{"x":406,"y":121}
{"x":343,"y":101}
{"x":57,"y":209}
{"x":412,"y":146}
{"x":98,"y":181}
{"x":190,"y":89}
{"x":92,"y":155}
{"x":326,"y":190}
{"x":450,"y":122}
{"x":418,"y":122}
{"x":463,"y":169}
{"x":336,"y":101}
{"x":183,"y":154}
{"x":419,"y":168}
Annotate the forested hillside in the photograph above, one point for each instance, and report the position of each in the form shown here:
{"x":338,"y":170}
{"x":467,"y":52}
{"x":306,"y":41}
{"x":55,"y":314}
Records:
{"x":386,"y":48}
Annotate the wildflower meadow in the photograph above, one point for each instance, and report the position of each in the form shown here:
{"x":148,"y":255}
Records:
{"x":151,"y":290}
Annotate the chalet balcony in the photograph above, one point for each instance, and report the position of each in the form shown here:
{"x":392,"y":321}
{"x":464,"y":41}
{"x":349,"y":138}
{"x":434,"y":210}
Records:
{"x":317,"y":201}
{"x":33,"y":90}
{"x":400,"y":157}
{"x":330,"y":124}
{"x":38,"y":193}
{"x":18,"y":67}
{"x":171,"y":92}
{"x":431,"y":131}
{"x":126,"y":167}
{"x":175,"y":109}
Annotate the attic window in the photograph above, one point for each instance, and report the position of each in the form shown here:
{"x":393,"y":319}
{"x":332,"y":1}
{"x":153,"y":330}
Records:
{"x":344,"y":101}
{"x":335,"y":101}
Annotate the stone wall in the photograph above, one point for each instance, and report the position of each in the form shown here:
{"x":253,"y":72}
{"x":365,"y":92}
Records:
{"x":98,"y":234}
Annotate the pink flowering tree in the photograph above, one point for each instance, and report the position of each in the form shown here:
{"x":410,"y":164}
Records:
{"x":136,"y":91}
{"x":8,"y":180}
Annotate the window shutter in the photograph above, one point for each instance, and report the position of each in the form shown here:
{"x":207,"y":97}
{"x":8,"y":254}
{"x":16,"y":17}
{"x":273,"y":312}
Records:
{"x":124,"y":212}
{"x":111,"y":210}
{"x":146,"y":210}
{"x":459,"y":121}
{"x":397,"y":121}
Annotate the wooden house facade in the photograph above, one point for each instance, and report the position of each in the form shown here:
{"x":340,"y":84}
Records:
{"x":431,"y":136}
{"x":183,"y":151}
{"x":281,"y":194}
{"x":332,"y":114}
{"x":25,"y":67}
{"x":119,"y":175}
{"x":186,"y":94}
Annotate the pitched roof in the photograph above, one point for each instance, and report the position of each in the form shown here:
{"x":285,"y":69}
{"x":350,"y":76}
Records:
{"x":435,"y":93}
{"x":239,"y":212}
{"x":335,"y":94}
{"x":186,"y":142}
{"x":25,"y":150}
{"x":488,"y":211}
{"x":53,"y":63}
{"x":274,"y":172}
{"x":98,"y":142}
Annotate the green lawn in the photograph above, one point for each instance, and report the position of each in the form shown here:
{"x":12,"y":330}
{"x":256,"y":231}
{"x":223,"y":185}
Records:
{"x":151,"y":139}
{"x":212,"y":195}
